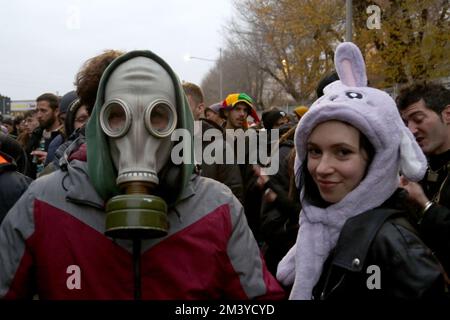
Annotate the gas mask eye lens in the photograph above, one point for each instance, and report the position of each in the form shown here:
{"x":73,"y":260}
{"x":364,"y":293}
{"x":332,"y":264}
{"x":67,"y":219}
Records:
{"x":161,"y":119}
{"x":115,"y":119}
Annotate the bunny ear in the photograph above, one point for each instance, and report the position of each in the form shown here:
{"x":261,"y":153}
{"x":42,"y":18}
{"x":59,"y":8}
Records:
{"x":413,"y":163}
{"x":350,"y":65}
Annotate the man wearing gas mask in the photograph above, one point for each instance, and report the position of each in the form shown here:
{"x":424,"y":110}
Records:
{"x":119,"y":220}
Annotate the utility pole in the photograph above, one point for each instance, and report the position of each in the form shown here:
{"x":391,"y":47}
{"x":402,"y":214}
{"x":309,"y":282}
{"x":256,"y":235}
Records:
{"x":220,"y":75}
{"x":348,"y":20}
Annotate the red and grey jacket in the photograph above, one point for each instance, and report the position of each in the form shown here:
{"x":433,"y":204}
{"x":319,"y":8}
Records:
{"x":55,"y":233}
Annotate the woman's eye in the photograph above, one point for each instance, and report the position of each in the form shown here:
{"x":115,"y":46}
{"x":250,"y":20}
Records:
{"x":314,"y":152}
{"x":343,"y":152}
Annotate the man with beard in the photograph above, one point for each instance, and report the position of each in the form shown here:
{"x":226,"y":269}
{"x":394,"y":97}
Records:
{"x":235,"y":109}
{"x":425,"y":108}
{"x":47,"y":106}
{"x":228,"y":174}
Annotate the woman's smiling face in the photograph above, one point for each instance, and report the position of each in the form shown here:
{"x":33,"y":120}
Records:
{"x":336,"y":160}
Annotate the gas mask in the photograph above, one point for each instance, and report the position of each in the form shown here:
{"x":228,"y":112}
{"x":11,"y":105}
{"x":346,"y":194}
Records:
{"x":138,"y":116}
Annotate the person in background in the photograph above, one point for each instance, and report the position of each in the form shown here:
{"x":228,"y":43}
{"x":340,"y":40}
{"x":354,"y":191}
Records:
{"x":425,"y":108}
{"x":212,"y":113}
{"x":2,"y":127}
{"x":235,"y":109}
{"x":325,"y":81}
{"x":49,"y":127}
{"x":12,"y":182}
{"x":66,"y":102}
{"x":18,"y":125}
{"x":8,"y":123}
{"x":228,"y":174}
{"x":300,"y":111}
{"x":274,"y":118}
{"x":281,"y":205}
{"x":86,"y":82}
{"x":79,"y":116}
{"x":30,"y":124}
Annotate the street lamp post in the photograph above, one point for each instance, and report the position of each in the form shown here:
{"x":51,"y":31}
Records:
{"x":220,"y":73}
{"x":348,"y":20}
{"x":220,"y":69}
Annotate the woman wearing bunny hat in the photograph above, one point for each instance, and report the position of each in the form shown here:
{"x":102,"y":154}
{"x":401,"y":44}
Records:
{"x":353,"y":240}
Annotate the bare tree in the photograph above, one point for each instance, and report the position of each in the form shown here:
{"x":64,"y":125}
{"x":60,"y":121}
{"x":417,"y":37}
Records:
{"x":292,"y":41}
{"x":239,"y":74}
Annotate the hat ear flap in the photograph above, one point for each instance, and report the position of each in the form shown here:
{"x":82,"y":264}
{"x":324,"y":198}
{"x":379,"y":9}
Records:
{"x":350,"y":65}
{"x":413,"y":163}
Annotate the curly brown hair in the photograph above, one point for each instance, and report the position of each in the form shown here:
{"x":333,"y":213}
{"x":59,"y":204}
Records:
{"x":435,"y":95}
{"x":88,"y":78}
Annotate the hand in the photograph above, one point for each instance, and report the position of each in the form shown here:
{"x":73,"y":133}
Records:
{"x":415,"y":191}
{"x":262,"y":178}
{"x":269,"y":196}
{"x":40,"y":155}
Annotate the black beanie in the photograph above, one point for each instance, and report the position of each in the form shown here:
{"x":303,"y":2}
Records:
{"x":270,"y":117}
{"x":67,"y":100}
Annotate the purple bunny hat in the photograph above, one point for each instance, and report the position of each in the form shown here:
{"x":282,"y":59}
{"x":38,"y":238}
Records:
{"x":374,"y":113}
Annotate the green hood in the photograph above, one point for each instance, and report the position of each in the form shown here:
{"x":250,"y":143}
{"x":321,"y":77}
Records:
{"x":101,"y":170}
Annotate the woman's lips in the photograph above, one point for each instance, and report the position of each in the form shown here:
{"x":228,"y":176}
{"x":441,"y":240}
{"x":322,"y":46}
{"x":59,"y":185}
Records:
{"x":324,"y":184}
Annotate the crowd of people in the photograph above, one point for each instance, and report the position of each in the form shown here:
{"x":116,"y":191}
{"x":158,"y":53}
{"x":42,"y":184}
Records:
{"x":93,"y":206}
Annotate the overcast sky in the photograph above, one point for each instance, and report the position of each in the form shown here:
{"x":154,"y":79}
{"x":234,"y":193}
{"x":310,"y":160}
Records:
{"x":45,"y":42}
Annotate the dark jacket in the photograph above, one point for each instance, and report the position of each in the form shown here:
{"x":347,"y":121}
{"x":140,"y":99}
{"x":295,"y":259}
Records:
{"x":228,"y":174}
{"x":379,"y":256}
{"x":279,"y":219}
{"x":434,"y":226}
{"x":32,"y":145}
{"x":12,"y":184}
{"x":252,"y":193}
{"x":435,"y":231}
{"x":52,"y":147}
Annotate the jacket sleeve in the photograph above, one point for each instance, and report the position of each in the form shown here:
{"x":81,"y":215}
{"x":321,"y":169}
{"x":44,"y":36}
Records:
{"x":408,"y":268}
{"x":255,"y":280}
{"x":435,"y":229}
{"x":16,"y":260}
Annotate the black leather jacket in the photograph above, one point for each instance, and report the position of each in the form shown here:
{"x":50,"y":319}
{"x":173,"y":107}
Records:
{"x":435,"y":223}
{"x":379,"y":256}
